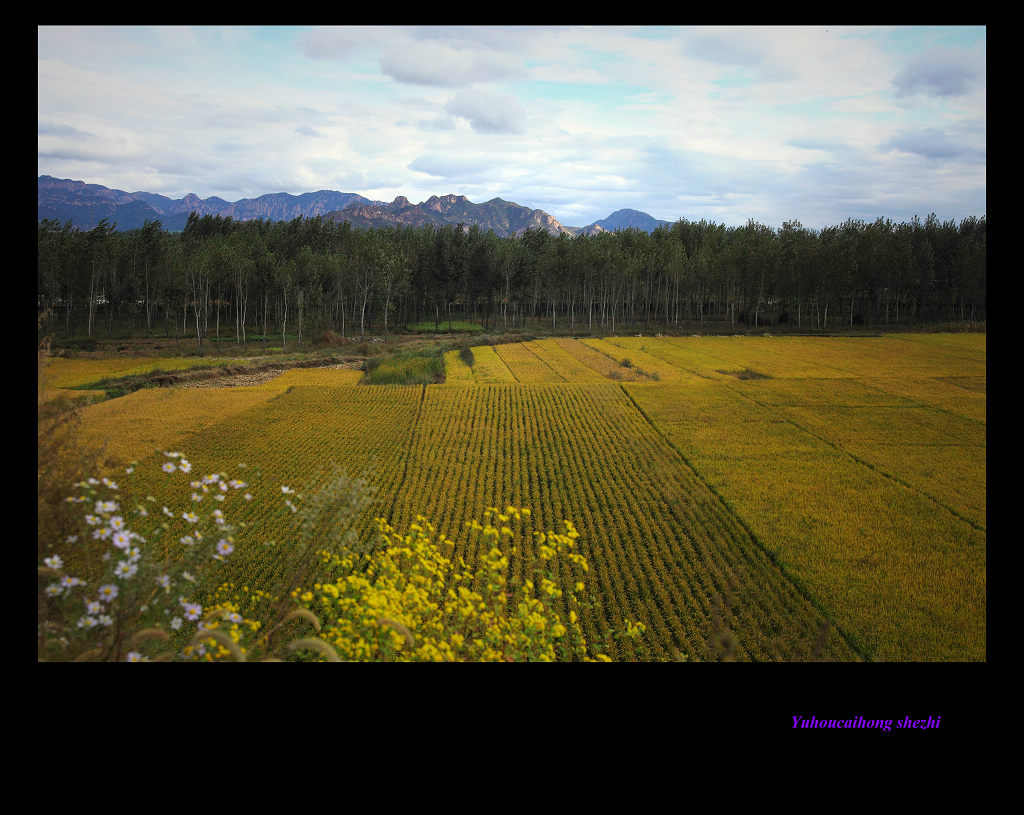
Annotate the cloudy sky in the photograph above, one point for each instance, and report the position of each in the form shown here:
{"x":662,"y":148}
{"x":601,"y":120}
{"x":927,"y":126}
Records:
{"x":817,"y":124}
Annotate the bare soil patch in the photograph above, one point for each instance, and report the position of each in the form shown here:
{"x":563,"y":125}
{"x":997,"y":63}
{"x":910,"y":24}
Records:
{"x":242,"y":375}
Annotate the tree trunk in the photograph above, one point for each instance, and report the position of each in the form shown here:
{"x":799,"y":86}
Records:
{"x":92,"y":298}
{"x":284,"y":323}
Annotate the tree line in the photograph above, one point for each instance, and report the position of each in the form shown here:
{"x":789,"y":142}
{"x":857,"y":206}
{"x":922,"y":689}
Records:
{"x":221,"y":277}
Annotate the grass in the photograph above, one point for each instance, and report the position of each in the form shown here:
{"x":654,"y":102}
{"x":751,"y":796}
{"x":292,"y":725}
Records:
{"x":455,"y":327}
{"x":406,"y":368}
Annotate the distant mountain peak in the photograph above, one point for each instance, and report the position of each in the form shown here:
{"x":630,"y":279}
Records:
{"x":86,"y":204}
{"x":629,"y":219}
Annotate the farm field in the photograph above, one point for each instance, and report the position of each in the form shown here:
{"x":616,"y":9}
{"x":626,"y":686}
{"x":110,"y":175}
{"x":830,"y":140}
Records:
{"x":801,"y":480}
{"x":72,"y":372}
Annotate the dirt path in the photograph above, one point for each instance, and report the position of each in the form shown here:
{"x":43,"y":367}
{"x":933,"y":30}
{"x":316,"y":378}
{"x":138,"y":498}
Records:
{"x":238,"y":375}
{"x":257,"y":377}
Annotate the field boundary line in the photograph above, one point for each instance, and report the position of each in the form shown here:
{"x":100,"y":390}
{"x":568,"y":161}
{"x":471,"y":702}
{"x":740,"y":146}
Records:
{"x":677,"y":365}
{"x":858,"y":648}
{"x":561,"y":379}
{"x":582,"y":362}
{"x":928,"y":405}
{"x":501,"y":359}
{"x":836,"y":446}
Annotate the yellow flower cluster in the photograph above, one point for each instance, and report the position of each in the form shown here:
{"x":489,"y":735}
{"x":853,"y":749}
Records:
{"x":407,"y":601}
{"x":225,"y":616}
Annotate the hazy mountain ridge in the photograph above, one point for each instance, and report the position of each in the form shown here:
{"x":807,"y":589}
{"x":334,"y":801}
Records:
{"x":85,"y":205}
{"x":504,"y":218}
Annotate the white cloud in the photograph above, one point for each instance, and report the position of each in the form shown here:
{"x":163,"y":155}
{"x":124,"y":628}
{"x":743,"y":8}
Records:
{"x":942,"y":72}
{"x":336,"y":43}
{"x":488,"y":112}
{"x":430,"y":62}
{"x":730,"y":123}
{"x":443,"y":165}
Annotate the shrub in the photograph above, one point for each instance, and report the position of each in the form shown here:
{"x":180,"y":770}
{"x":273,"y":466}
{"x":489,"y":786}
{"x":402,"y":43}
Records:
{"x":406,"y":368}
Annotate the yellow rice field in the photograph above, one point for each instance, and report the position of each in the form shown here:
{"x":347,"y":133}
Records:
{"x":848,"y":485}
{"x":72,"y":372}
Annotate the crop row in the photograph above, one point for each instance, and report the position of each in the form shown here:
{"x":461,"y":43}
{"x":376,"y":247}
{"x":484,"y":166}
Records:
{"x":525,"y":365}
{"x":660,"y":544}
{"x":895,"y":567}
{"x":568,"y":367}
{"x":284,"y":442}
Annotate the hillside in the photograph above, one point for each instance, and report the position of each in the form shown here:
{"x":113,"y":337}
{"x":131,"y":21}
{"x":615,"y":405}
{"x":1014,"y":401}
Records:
{"x":504,"y":218}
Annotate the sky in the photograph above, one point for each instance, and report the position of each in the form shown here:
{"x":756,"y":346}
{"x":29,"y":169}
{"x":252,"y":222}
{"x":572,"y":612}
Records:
{"x":810,"y":123}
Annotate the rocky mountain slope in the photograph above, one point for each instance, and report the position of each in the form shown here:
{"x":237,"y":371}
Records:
{"x":504,"y":218}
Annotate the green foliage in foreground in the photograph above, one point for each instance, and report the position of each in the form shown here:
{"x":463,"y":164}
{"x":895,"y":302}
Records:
{"x":331,"y":600}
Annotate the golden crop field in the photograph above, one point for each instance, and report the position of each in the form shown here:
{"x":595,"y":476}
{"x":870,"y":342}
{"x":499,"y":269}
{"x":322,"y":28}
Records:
{"x":846,"y":483}
{"x":154,"y":419}
{"x":72,"y":372}
{"x":525,"y":365}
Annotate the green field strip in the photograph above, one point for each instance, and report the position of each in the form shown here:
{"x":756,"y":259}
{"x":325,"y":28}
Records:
{"x":902,"y":580}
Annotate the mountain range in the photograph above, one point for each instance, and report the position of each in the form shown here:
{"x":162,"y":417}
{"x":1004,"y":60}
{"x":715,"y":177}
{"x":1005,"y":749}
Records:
{"x":85,"y":205}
